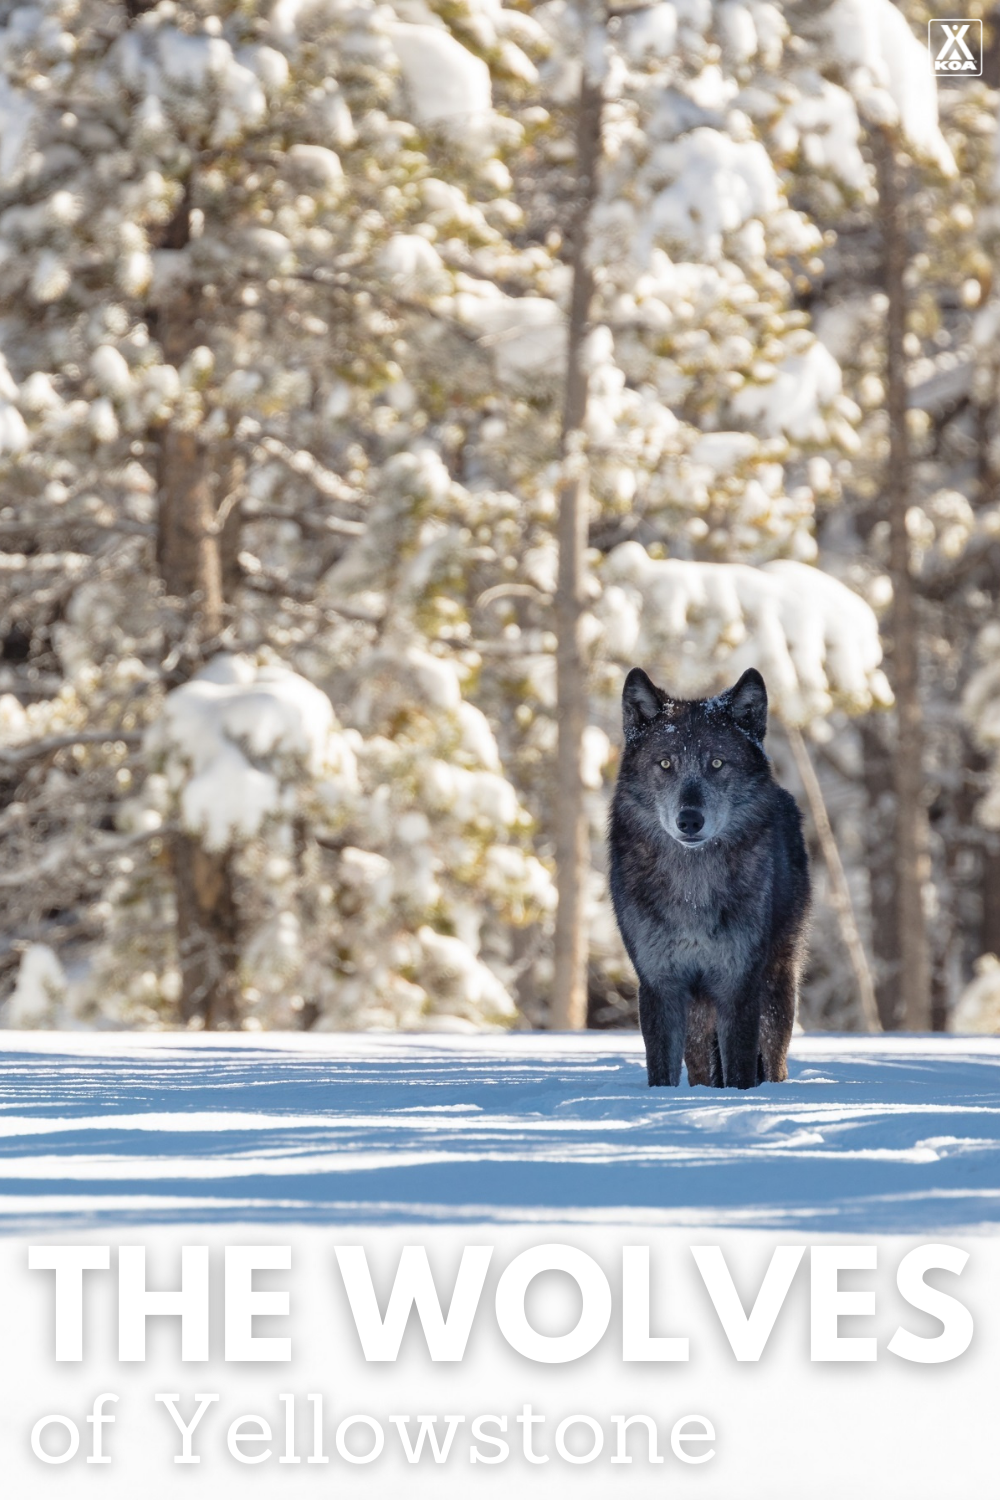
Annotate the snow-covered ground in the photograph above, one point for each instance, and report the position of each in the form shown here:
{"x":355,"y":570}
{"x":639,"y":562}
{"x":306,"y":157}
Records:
{"x":523,"y":1143}
{"x":895,"y":1135}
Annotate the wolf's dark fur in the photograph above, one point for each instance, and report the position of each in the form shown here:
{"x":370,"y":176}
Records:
{"x":710,"y":883}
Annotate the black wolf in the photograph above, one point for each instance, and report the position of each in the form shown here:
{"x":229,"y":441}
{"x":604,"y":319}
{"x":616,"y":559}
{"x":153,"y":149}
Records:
{"x":710,"y":884}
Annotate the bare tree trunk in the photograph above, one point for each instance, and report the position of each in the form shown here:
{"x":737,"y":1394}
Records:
{"x":986,"y":410}
{"x":188,"y":550}
{"x":985,"y":937}
{"x":207,"y":932}
{"x":840,"y":894}
{"x":911,"y":833}
{"x":229,"y":523}
{"x":192,"y":563}
{"x":569,"y":1000}
{"x":879,"y":833}
{"x":989,"y":930}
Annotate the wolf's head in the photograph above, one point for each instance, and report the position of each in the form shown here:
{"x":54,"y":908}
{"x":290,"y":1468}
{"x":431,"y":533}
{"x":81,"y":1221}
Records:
{"x":696,"y":768}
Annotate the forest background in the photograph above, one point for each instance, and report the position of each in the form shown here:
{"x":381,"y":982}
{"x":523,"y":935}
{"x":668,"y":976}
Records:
{"x":378,"y":382}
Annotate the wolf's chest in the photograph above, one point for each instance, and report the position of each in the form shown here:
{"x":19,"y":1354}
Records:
{"x":696,"y":924}
{"x":684,"y":926}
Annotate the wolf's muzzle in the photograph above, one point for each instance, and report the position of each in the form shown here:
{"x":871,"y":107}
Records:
{"x":690,"y":822}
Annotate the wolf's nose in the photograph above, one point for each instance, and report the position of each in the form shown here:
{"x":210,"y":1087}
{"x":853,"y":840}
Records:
{"x":690,"y":821}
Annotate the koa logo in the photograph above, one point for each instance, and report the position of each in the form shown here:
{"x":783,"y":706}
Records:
{"x":956,"y":47}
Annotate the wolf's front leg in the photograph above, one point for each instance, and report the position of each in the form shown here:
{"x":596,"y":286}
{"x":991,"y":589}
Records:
{"x":701,"y":1045}
{"x":738,"y":1022}
{"x":778,"y":1016}
{"x":662,"y":1019}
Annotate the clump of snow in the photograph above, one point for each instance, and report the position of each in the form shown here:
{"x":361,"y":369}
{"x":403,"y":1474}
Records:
{"x":469,"y":796}
{"x":978,"y":1008}
{"x":18,"y":113}
{"x":650,"y":32}
{"x":478,"y":740}
{"x":369,"y":876}
{"x":411,"y":262}
{"x":458,"y":984}
{"x":540,"y":566}
{"x":889,"y":73}
{"x":945,"y":521}
{"x":39,"y":995}
{"x":823,"y":124}
{"x":397,"y":676}
{"x":519,"y":879}
{"x":172,"y":65}
{"x":735,"y":25}
{"x":448,"y":86}
{"x":796,"y":400}
{"x":526,"y":335}
{"x":596,"y":752}
{"x":50,"y":279}
{"x":317,"y":163}
{"x":14,"y":722}
{"x":13,"y":432}
{"x":723,"y":451}
{"x":236,"y":736}
{"x":716,"y":184}
{"x":274,"y":952}
{"x":815,"y":642}
{"x":842,"y":326}
{"x":110,"y":371}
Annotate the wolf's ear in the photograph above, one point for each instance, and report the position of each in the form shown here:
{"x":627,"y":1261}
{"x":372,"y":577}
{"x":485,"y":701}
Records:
{"x":642,"y":700}
{"x":747,"y":702}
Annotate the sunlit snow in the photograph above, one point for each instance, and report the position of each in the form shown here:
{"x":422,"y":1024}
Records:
{"x":894,"y":1135}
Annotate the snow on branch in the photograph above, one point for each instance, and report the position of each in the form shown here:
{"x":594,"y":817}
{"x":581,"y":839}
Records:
{"x":803,"y":399}
{"x":816,"y":643}
{"x":183,"y":70}
{"x":716,"y":185}
{"x":39,"y":996}
{"x":525,"y":335}
{"x":448,"y":86}
{"x":13,"y":432}
{"x":236,"y":739}
{"x":888,"y":70}
{"x":18,"y":117}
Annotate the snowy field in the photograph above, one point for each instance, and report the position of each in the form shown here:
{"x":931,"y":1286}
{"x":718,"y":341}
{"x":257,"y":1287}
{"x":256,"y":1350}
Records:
{"x":889,"y":1136}
{"x":312,"y":1143}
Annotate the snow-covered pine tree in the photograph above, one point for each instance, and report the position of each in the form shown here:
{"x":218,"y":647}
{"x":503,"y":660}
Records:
{"x":287,"y":292}
{"x":877,"y":62}
{"x":207,"y":410}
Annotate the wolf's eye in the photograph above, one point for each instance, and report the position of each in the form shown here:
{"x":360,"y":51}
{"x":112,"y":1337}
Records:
{"x":716,"y":764}
{"x":665,"y":764}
